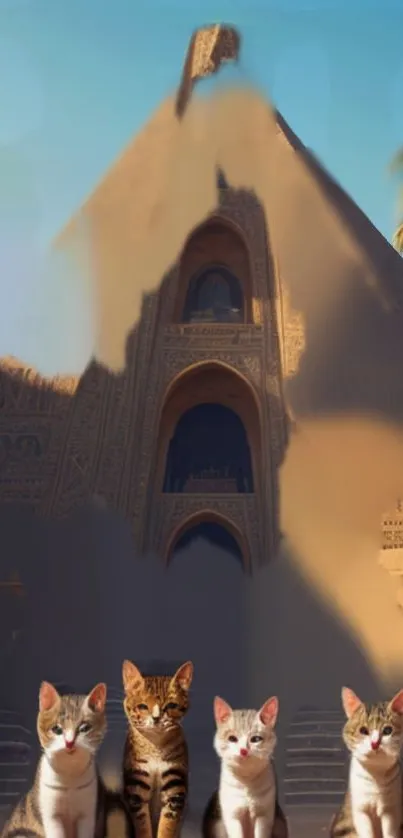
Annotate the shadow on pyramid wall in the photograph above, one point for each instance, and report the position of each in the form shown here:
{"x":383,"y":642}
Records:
{"x":89,"y":601}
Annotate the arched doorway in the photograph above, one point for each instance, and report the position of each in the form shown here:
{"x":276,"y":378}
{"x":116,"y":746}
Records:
{"x":209,"y":621}
{"x":209,"y":433}
{"x":209,"y":452}
{"x":213,"y":528}
{"x":215,"y":276}
{"x":215,"y":534}
{"x":208,"y":468}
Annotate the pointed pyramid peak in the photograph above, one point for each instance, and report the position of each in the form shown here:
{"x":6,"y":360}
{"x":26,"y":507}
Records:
{"x":209,"y":48}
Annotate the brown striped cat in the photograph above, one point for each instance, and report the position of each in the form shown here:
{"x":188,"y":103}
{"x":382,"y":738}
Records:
{"x":68,"y":799}
{"x":155,"y":769}
{"x":373,"y":734}
{"x":246,"y":803}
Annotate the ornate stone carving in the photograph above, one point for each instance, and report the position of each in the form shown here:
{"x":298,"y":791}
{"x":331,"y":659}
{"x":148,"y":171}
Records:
{"x":175,"y":362}
{"x":23,"y":389}
{"x":209,"y":48}
{"x":257,"y":311}
{"x":294,"y":337}
{"x":170,"y":511}
{"x":392,"y":529}
{"x":65,"y":440}
{"x":76,"y":459}
{"x":212,"y":336}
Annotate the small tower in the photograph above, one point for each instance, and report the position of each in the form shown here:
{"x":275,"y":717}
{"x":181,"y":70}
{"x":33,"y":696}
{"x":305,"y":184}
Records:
{"x":214,"y":430}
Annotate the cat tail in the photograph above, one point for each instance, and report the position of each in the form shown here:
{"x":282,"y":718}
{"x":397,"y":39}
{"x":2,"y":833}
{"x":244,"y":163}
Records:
{"x":111,"y":778}
{"x":118,"y":823}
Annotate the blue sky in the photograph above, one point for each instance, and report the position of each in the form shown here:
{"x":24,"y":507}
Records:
{"x":78,"y":78}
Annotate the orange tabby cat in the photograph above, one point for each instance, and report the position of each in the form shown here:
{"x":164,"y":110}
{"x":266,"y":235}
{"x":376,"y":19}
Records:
{"x":155,"y":771}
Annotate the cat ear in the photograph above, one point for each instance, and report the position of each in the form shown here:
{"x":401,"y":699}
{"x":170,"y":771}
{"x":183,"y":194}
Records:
{"x":96,"y":699}
{"x":48,"y":696}
{"x":350,"y":701}
{"x":222,"y":710}
{"x":183,"y":676}
{"x":269,"y":712}
{"x":132,"y":677}
{"x":396,"y":705}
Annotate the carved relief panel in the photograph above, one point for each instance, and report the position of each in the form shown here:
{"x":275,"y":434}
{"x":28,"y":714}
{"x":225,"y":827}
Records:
{"x":251,"y":349}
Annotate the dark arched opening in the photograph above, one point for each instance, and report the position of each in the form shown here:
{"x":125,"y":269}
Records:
{"x":214,"y":296}
{"x":209,"y":452}
{"x":214,"y":533}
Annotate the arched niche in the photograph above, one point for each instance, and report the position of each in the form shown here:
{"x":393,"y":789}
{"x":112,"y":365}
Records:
{"x":214,"y":295}
{"x":214,"y":528}
{"x":220,"y":398}
{"x":214,"y":276}
{"x":209,"y":452}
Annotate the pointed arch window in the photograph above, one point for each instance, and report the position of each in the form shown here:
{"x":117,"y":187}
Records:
{"x":214,"y":296}
{"x":209,"y":452}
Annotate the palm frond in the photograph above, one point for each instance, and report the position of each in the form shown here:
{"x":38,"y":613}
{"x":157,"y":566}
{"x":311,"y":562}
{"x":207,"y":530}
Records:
{"x":396,"y":164}
{"x":397,"y":240}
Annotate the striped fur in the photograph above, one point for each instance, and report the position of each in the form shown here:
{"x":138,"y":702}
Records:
{"x":67,"y":787}
{"x":112,"y":820}
{"x":155,"y":768}
{"x":373,"y":803}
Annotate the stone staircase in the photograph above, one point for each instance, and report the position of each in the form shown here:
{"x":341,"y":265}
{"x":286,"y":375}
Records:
{"x":316,"y":759}
{"x":16,"y":749}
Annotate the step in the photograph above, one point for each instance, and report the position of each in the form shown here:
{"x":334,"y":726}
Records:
{"x":318,"y":737}
{"x":326,"y":769}
{"x":316,"y":754}
{"x":316,"y":798}
{"x":15,"y":752}
{"x":15,"y":757}
{"x":310,"y":713}
{"x":316,"y":759}
{"x":307,"y":726}
{"x":306,"y":784}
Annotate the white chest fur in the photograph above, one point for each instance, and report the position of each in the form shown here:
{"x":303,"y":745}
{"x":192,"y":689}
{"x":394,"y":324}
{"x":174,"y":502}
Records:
{"x":376,"y":800}
{"x":68,"y":801}
{"x":247,"y":802}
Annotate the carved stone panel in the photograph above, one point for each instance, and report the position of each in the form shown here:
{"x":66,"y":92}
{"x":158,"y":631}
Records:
{"x":33,"y":413}
{"x":74,"y":480}
{"x":212,"y":336}
{"x":176,"y":362}
{"x":294,"y":337}
{"x":392,"y":529}
{"x":171,"y":511}
{"x":24,"y":447}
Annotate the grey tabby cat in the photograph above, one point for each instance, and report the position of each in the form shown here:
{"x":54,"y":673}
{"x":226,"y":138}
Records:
{"x":373,"y":804}
{"x":246,"y":803}
{"x":68,"y":799}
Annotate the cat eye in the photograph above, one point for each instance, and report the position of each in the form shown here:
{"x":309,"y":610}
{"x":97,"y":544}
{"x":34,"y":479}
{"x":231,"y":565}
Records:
{"x":364,"y":731}
{"x":255,"y":739}
{"x":232,"y":738}
{"x":171,"y":706}
{"x":387,"y":730}
{"x":142,"y":707}
{"x":57,"y":730}
{"x":84,"y":727}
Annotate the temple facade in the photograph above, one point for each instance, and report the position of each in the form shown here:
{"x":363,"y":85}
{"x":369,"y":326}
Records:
{"x":139,"y":510}
{"x":190,"y":436}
